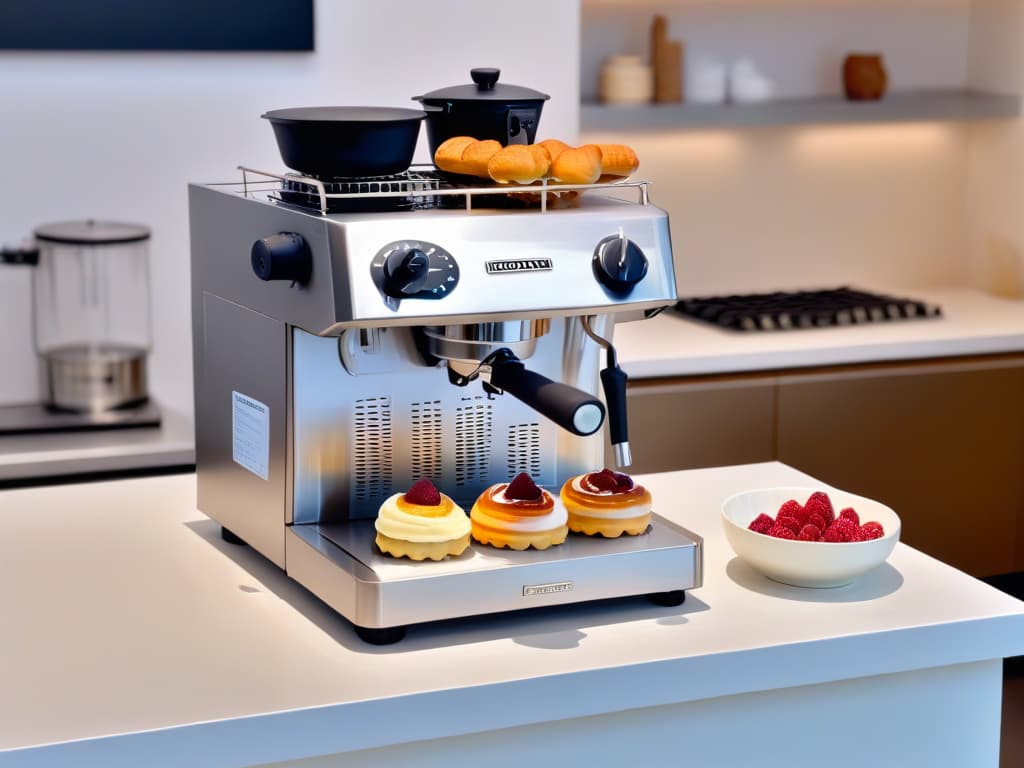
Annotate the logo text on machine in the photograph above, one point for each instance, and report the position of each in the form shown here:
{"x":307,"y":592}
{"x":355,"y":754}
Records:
{"x":518,"y":265}
{"x":547,"y":589}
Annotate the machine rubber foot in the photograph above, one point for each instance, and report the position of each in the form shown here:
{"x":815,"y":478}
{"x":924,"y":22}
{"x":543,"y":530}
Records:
{"x":231,"y":538}
{"x":380,"y":635}
{"x":668,"y":599}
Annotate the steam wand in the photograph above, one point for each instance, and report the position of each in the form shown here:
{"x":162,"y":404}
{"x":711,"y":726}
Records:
{"x":613,"y":380}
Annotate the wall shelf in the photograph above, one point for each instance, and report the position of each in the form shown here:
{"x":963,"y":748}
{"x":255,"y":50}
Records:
{"x":920,"y":106}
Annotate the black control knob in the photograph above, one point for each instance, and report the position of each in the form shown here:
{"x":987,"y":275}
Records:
{"x":284,"y":256}
{"x":405,"y":272}
{"x":619,"y":264}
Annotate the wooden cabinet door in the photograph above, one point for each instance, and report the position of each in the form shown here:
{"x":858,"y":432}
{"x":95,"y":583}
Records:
{"x":702,"y":422}
{"x":942,"y":443}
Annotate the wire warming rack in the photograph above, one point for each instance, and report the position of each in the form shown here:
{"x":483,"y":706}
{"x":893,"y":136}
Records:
{"x":424,"y":181}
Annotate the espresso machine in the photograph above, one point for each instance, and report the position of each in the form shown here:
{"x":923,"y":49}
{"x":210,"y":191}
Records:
{"x":352,"y":338}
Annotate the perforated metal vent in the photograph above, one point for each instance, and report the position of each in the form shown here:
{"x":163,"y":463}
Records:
{"x":524,"y":449}
{"x":373,"y":457}
{"x":474,"y":435}
{"x":425,"y":451}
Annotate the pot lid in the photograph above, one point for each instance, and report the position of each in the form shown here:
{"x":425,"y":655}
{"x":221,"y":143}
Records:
{"x":485,"y":87}
{"x":343,"y":114}
{"x":92,"y":232}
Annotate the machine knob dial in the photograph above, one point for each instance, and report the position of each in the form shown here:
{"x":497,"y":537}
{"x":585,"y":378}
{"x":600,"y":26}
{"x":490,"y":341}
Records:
{"x":406,"y":272}
{"x":284,"y":256}
{"x":413,"y":269}
{"x":619,"y":264}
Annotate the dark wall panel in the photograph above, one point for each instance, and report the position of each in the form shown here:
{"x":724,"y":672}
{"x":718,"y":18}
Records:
{"x":156,"y":25}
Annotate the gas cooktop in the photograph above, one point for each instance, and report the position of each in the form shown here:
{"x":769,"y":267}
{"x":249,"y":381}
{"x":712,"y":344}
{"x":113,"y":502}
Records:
{"x":804,"y":309}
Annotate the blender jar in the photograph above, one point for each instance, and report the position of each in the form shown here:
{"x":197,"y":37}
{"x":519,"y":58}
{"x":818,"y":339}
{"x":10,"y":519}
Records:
{"x":92,"y":321}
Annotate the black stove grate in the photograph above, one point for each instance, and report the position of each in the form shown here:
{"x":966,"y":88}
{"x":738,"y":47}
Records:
{"x":298,"y":192}
{"x":804,"y":309}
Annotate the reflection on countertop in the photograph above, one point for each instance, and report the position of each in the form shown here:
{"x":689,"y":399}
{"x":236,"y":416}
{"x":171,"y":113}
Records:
{"x":34,"y":457}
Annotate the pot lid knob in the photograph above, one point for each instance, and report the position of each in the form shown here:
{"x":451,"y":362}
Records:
{"x":485,"y":78}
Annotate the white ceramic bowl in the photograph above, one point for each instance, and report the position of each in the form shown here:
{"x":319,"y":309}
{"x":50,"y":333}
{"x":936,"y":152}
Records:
{"x":807,"y":563}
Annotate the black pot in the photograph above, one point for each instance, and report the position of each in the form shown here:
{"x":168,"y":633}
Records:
{"x":346,"y":142}
{"x":485,"y":110}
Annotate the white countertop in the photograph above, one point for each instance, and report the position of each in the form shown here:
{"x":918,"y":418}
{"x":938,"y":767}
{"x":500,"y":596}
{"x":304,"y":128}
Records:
{"x":172,"y":444}
{"x":134,"y":634}
{"x":973,"y":323}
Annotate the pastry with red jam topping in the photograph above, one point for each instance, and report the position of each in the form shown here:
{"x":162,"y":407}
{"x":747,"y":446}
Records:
{"x":518,"y":515}
{"x":422,"y":524}
{"x":606,"y":503}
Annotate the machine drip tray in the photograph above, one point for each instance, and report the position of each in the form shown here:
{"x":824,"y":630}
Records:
{"x":341,"y":565}
{"x":36,"y":418}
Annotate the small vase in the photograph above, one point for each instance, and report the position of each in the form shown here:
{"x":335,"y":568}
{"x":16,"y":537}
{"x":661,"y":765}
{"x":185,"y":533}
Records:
{"x":864,"y":77}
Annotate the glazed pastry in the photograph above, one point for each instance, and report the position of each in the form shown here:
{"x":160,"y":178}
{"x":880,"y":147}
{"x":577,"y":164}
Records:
{"x":448,"y":156}
{"x":518,"y":515}
{"x":617,"y":160}
{"x":606,"y":503}
{"x":478,"y":154}
{"x":555,"y":147}
{"x":422,"y":524}
{"x":519,"y":164}
{"x":581,"y":165}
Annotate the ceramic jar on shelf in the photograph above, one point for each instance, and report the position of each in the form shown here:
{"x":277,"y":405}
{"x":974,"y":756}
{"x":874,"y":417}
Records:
{"x":864,"y":77}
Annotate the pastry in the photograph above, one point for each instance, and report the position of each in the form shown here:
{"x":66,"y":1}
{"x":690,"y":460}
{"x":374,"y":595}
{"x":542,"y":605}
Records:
{"x":465,"y":155}
{"x":518,"y":515}
{"x":617,"y":160}
{"x":555,"y":147}
{"x":477,"y":155}
{"x":448,"y":156}
{"x":519,"y":164}
{"x":422,"y":524}
{"x":580,"y":165}
{"x":606,"y":503}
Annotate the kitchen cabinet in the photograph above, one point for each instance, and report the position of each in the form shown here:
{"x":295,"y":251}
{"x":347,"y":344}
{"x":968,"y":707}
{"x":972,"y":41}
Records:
{"x":705,"y":422}
{"x":941,"y":441}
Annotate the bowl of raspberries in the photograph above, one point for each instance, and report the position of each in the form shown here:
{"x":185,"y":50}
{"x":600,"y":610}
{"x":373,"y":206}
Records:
{"x":808,"y":537}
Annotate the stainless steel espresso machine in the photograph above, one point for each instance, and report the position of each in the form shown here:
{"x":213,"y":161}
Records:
{"x":350,"y":339}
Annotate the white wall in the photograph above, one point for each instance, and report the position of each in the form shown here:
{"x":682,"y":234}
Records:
{"x":762,"y":209}
{"x":119,"y":135}
{"x":995,"y":191}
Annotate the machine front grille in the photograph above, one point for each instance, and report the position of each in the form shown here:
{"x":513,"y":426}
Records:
{"x":425,"y":451}
{"x":373,"y":460}
{"x":524,"y":449}
{"x":474,"y":435}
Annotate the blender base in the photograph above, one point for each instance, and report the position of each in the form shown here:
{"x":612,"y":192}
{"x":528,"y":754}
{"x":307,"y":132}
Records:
{"x":35,"y":418}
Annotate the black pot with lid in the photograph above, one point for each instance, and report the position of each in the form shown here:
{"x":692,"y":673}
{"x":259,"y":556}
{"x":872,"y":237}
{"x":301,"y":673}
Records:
{"x":485,"y":109}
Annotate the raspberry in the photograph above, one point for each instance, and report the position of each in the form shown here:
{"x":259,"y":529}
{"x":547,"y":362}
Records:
{"x":523,"y":489}
{"x":850,"y":514}
{"x":858,"y":534}
{"x":833,"y":535}
{"x":809,"y":533}
{"x":819,"y":502}
{"x":789,"y":522}
{"x":793,"y":509}
{"x":781,"y":532}
{"x":872,"y":530}
{"x":606,"y":480}
{"x":761,"y":524}
{"x":817,"y":520}
{"x":423,"y":493}
{"x":845,"y":525}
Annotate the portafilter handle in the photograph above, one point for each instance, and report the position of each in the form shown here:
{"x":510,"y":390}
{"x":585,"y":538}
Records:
{"x":570,"y":408}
